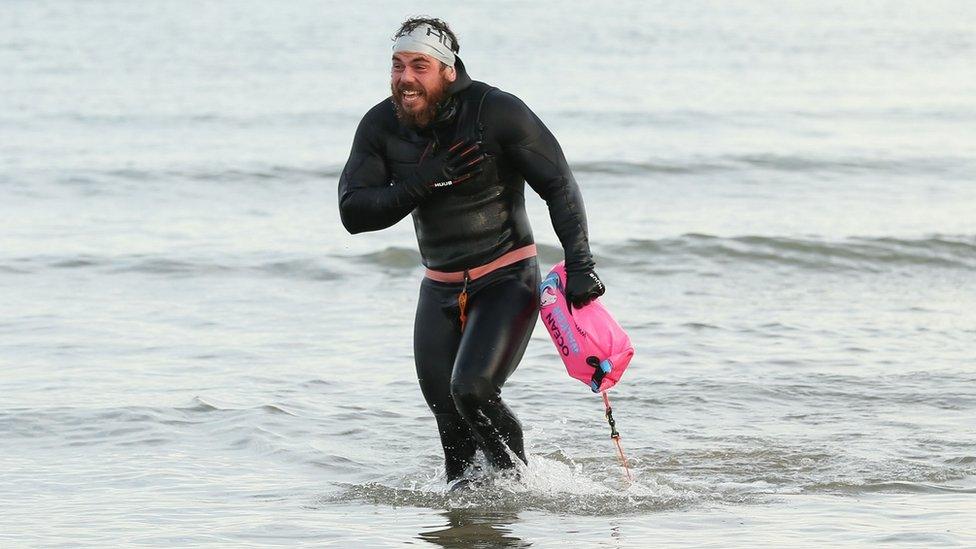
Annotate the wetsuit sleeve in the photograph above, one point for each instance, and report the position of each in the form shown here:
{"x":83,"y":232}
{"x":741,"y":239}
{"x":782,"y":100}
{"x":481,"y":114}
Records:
{"x":539,"y":158}
{"x":368,"y":199}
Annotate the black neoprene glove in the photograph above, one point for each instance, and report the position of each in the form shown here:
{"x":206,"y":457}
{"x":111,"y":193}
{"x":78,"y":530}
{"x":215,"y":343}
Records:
{"x":446,"y":168}
{"x":582,"y":286}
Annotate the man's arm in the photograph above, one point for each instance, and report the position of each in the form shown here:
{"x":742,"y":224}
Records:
{"x":540,"y":160}
{"x":368,"y":200}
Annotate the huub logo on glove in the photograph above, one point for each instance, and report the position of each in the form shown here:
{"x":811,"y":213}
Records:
{"x":597,"y":282}
{"x":583,"y":286}
{"x":451,"y":166}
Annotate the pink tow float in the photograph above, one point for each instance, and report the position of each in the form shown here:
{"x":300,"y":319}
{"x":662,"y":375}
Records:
{"x":593,"y":346}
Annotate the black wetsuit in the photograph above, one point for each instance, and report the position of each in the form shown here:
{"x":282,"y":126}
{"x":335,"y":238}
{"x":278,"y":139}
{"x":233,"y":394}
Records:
{"x":461,"y":373}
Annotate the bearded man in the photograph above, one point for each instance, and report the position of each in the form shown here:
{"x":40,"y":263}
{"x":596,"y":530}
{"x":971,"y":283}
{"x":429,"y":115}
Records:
{"x":456,"y":154}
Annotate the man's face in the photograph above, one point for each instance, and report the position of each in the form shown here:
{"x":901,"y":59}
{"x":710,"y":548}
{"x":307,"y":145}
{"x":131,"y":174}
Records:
{"x":418,"y":83}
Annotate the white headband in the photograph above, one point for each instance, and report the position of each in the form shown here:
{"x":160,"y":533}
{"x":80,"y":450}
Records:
{"x":426,"y":39}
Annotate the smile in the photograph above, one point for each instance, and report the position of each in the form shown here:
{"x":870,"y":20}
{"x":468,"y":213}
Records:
{"x":410,"y":95}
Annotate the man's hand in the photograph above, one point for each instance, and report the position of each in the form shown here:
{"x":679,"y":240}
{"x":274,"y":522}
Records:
{"x":583,"y":286}
{"x":447,"y":168}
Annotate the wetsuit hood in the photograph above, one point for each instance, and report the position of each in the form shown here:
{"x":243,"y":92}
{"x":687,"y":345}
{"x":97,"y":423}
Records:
{"x":463,"y":81}
{"x":447,"y":108}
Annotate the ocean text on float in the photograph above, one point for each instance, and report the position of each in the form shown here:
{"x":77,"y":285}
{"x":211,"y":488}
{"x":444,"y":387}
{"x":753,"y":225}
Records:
{"x":559,"y":326}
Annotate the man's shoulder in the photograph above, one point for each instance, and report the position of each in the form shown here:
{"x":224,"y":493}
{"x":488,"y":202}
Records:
{"x":508,"y":115}
{"x":502,"y":104}
{"x":494,"y":96}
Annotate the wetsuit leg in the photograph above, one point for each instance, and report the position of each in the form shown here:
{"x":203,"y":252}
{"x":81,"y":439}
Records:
{"x":437,"y":334}
{"x":501,"y":317}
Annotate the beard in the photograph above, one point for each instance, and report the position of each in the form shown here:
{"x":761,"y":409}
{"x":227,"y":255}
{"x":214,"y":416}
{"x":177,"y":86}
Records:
{"x":432,"y":101}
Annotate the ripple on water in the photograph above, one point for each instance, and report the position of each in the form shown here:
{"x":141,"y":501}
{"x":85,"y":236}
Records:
{"x":894,"y":487}
{"x":547,"y":484}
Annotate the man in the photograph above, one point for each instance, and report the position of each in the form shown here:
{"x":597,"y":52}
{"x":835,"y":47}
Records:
{"x":456,"y":154}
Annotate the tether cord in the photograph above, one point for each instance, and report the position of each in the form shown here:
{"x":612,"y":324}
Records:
{"x":616,"y":436}
{"x":463,"y":302}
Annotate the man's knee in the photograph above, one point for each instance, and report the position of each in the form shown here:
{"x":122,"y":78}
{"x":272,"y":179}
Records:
{"x":471,"y":393}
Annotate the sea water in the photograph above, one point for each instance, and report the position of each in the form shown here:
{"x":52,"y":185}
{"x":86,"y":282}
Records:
{"x":781,"y":203}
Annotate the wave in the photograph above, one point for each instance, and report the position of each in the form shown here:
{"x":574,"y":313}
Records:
{"x":852,"y":254}
{"x":699,"y":118}
{"x":781,"y":163}
{"x":106,"y":179}
{"x":401,"y":258}
{"x":734,"y":163}
{"x":686,"y":253}
{"x":392,"y":257}
{"x":302,"y":268}
{"x":549,"y":254}
{"x":239,"y":174}
{"x":896,"y":487}
{"x":186,"y":120}
{"x":648,"y":168}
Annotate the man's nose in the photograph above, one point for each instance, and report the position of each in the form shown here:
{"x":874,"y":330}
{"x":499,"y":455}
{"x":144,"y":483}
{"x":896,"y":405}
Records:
{"x":408,"y":75}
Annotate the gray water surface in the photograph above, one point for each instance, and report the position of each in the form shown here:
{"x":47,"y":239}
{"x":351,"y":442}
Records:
{"x":780,"y":199}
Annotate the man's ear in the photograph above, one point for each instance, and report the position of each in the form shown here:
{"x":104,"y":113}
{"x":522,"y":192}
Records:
{"x":451,"y":74}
